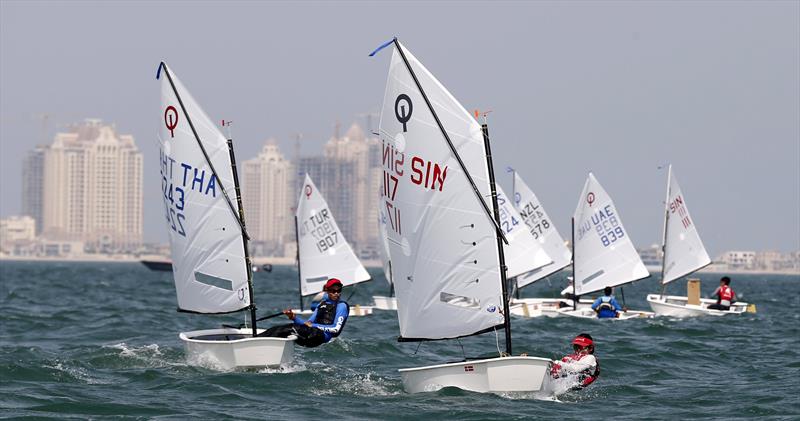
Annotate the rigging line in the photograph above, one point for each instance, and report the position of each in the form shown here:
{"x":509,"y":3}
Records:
{"x":464,"y":354}
{"x":203,"y":149}
{"x":486,"y":210}
{"x":417,"y":350}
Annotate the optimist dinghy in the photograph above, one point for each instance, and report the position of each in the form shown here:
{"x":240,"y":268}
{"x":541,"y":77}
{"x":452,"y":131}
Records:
{"x":208,"y":239}
{"x":544,"y":232}
{"x":445,"y":242}
{"x":602,"y":252}
{"x":322,"y":250}
{"x":384,"y":302}
{"x":684,"y":254}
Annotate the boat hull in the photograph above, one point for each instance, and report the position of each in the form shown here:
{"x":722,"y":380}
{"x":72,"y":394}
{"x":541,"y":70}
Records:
{"x":538,"y":307}
{"x":355,"y":311}
{"x":385,"y":303}
{"x":588,"y":313}
{"x":676,"y":306}
{"x":503,"y":374}
{"x":158,"y":265}
{"x":230,"y":349}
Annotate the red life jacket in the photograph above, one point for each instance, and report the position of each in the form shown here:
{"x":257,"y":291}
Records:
{"x":725,"y":293}
{"x":586,"y":377}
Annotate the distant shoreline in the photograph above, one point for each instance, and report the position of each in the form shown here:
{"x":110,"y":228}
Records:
{"x":290,"y":261}
{"x":90,"y":258}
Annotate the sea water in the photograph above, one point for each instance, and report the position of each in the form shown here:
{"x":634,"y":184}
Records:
{"x":97,"y":340}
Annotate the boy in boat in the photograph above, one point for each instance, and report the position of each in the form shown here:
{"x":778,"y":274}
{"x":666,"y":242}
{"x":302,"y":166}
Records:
{"x":607,"y":306}
{"x":326,"y":322}
{"x":581,"y":363}
{"x":724,"y":294}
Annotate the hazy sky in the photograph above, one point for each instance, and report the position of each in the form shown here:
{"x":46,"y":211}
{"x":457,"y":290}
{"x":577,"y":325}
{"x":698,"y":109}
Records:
{"x":618,"y":88}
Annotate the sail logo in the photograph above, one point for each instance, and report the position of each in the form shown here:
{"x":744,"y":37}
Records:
{"x":308,"y":191}
{"x":590,"y":199}
{"x":400,"y":110}
{"x":171,"y":119}
{"x":491,"y":309}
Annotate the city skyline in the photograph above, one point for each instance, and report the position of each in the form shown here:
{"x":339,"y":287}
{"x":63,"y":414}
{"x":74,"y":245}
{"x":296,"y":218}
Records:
{"x":573,"y":88}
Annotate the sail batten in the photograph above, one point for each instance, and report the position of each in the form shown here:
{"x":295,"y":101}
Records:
{"x":205,"y":231}
{"x":323,"y":251}
{"x":684,"y":252}
{"x":604,"y":253}
{"x":440,"y":238}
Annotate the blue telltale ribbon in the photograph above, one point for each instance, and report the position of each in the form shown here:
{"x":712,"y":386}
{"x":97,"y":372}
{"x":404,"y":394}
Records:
{"x":384,"y":45}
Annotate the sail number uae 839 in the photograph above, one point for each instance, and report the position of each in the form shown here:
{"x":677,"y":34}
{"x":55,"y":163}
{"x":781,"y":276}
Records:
{"x":604,"y":222}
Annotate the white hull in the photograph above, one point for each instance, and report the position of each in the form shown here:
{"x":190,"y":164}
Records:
{"x":676,"y":306}
{"x":355,"y":311}
{"x":588,"y":313}
{"x":385,"y":303}
{"x":229,"y":349}
{"x":503,"y":374}
{"x":538,"y":307}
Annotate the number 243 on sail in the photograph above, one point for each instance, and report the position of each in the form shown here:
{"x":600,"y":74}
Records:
{"x":174,"y":205}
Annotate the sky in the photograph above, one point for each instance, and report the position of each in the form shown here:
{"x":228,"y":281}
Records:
{"x":616,"y":88}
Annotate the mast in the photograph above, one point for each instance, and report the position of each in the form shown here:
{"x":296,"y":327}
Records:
{"x":244,"y":237}
{"x":449,"y":142}
{"x":574,"y":275}
{"x":664,"y":237}
{"x":496,"y":209}
{"x":514,"y":198}
{"x":299,"y":277}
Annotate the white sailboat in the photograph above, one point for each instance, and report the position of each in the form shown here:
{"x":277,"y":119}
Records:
{"x":684,"y":253}
{"x":602,"y":252}
{"x":208,"y":240}
{"x":385,"y":302}
{"x":444,"y":241}
{"x":542,"y":230}
{"x":322,"y":251}
{"x":523,"y":254}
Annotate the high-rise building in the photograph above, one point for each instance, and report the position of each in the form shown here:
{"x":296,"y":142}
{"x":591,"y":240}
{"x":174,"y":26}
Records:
{"x":268,"y":197}
{"x":33,"y":186}
{"x":353,"y":186}
{"x":92,"y":189}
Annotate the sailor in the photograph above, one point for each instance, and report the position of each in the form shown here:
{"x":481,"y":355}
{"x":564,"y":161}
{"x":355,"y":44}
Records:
{"x":582,"y":363}
{"x":724,"y":294}
{"x":326,"y":322}
{"x":606,"y":306}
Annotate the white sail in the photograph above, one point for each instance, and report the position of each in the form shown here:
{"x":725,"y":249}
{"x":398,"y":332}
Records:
{"x":604,"y":254}
{"x":683,"y":250}
{"x":542,"y":229}
{"x":324,"y":252}
{"x":522,"y":253}
{"x":206,"y":238}
{"x":442,"y":242}
{"x":384,"y":238}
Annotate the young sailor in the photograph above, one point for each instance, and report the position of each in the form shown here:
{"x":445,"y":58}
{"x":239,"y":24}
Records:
{"x":724,"y":294}
{"x":581,"y":363}
{"x":606,"y":306}
{"x":326,"y":322}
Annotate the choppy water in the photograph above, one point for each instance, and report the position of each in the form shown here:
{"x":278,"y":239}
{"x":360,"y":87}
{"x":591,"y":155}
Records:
{"x":89,"y":340}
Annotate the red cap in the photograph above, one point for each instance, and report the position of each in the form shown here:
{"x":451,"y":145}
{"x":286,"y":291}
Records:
{"x":331,"y":282}
{"x":582,"y":342}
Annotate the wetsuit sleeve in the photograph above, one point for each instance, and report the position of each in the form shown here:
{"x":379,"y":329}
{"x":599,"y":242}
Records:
{"x":585,"y":363}
{"x":616,"y":304}
{"x":338,"y":320}
{"x":716,"y":293}
{"x":299,"y":320}
{"x":596,"y":303}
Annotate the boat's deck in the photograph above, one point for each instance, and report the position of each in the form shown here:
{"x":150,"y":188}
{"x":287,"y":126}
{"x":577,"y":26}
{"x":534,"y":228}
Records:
{"x":221,"y":337}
